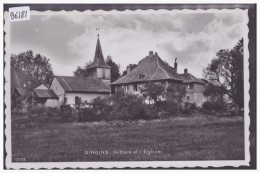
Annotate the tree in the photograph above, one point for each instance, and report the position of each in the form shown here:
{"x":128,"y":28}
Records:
{"x":226,"y":72}
{"x":153,"y":91}
{"x":215,"y":97}
{"x":132,"y":67}
{"x":82,"y":71}
{"x":37,"y":66}
{"x":115,"y":73}
{"x":174,"y":94}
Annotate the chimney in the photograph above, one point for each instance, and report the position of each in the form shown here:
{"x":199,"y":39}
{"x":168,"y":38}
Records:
{"x":175,"y":65}
{"x":185,"y":71}
{"x":128,"y":69}
{"x":150,"y":53}
{"x":156,"y":54}
{"x":24,"y":85}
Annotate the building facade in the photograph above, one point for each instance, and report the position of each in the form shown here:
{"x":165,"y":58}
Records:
{"x":153,"y":69}
{"x":68,"y":88}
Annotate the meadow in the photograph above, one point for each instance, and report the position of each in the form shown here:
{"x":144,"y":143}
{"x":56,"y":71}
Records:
{"x":196,"y":137}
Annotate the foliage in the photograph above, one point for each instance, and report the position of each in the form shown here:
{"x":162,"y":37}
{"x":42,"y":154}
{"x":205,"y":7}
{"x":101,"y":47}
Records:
{"x":208,"y":105}
{"x":187,"y":107}
{"x":115,"y":73}
{"x":226,"y":72}
{"x":82,"y":71}
{"x":132,"y":66}
{"x":66,"y":112}
{"x":127,"y":106}
{"x":153,"y":91}
{"x":215,"y":96}
{"x":175,"y":92}
{"x":37,"y":66}
{"x":120,"y":106}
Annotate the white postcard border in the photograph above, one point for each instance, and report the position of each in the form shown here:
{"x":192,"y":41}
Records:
{"x":131,"y":164}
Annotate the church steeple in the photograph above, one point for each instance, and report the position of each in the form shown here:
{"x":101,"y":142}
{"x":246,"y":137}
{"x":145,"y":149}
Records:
{"x":99,"y":68}
{"x":98,"y":57}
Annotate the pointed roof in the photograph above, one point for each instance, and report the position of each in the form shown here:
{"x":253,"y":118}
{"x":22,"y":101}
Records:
{"x":98,"y":58}
{"x":19,"y":78}
{"x":151,"y":68}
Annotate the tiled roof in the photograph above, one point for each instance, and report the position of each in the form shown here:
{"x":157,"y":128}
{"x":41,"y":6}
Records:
{"x":151,"y":68}
{"x":82,"y":84}
{"x":99,"y":59}
{"x":19,"y":78}
{"x":45,"y":93}
{"x":189,"y":78}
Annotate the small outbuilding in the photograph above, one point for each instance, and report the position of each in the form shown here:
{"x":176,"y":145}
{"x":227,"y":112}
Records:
{"x":46,"y":97}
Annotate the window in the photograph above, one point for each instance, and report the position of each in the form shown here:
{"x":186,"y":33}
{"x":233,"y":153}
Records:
{"x":188,"y":97}
{"x":65,"y":100}
{"x":190,"y":86}
{"x":103,"y":73}
{"x":141,"y":76}
{"x":135,"y":87}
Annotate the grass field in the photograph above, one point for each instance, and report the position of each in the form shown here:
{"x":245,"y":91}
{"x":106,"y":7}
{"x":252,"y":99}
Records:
{"x":187,"y":138}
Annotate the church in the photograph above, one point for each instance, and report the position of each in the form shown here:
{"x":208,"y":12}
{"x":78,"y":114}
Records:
{"x":96,"y":84}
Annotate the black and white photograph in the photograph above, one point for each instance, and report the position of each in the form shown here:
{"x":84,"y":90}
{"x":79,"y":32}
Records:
{"x":133,"y":88}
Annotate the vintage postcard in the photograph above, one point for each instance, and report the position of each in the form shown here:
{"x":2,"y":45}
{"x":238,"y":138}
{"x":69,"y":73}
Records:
{"x":132,"y":88}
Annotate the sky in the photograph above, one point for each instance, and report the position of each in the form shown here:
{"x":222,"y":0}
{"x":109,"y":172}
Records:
{"x":70,"y":40}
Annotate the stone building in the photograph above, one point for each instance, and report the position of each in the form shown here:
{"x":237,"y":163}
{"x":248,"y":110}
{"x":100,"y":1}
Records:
{"x":153,"y":69}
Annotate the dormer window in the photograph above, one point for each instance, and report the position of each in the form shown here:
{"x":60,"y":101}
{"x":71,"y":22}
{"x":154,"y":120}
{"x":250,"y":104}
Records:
{"x":141,"y":76}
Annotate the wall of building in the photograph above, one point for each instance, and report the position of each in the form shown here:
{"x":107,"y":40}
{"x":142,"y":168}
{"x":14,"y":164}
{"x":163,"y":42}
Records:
{"x":106,"y":82}
{"x":58,"y":90}
{"x":195,"y":94}
{"x":105,"y":71}
{"x":84,"y":97}
{"x":52,"y":103}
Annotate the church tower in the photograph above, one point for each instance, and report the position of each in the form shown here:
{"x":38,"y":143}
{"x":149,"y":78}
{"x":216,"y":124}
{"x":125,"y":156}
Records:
{"x":99,"y":69}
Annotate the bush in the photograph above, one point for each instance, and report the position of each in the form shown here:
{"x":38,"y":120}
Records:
{"x":169,"y":107}
{"x":66,"y":112}
{"x":99,"y":110}
{"x":212,"y":106}
{"x":120,"y":106}
{"x":127,"y":106}
{"x":87,"y":115}
{"x":187,"y":108}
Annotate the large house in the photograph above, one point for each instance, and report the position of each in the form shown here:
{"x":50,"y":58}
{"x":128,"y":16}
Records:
{"x":153,"y":69}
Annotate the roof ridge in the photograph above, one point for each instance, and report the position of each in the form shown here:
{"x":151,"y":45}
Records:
{"x":161,"y":67}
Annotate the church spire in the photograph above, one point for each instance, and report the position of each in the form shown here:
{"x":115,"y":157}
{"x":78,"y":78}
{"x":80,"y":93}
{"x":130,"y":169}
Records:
{"x":99,"y":58}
